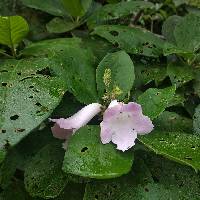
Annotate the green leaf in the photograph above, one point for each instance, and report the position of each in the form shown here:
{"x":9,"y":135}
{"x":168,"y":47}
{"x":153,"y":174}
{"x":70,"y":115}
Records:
{"x":43,"y":175}
{"x":187,"y":33}
{"x":28,"y":96}
{"x":64,"y":54}
{"x":53,"y":7}
{"x":122,"y":73}
{"x":178,"y":146}
{"x":76,"y":7}
{"x":132,"y":40}
{"x":7,"y":168}
{"x":116,"y":11}
{"x":29,"y":146}
{"x":98,"y":46}
{"x":180,"y":74}
{"x":86,"y":156}
{"x":154,"y":101}
{"x":59,"y":25}
{"x":79,"y":73}
{"x":177,"y":100}
{"x":168,"y":28}
{"x":73,"y":191}
{"x":145,"y":73}
{"x":50,"y":47}
{"x":152,"y":178}
{"x":196,"y":120}
{"x":170,"y":121}
{"x":12,"y":30}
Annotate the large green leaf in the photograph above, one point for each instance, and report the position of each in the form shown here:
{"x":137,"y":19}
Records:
{"x":178,"y":146}
{"x":122,"y":73}
{"x":86,"y":156}
{"x":12,"y":30}
{"x":131,"y":39}
{"x":53,"y":7}
{"x":29,"y":93}
{"x":179,"y":74}
{"x":73,"y":64}
{"x":115,"y":11}
{"x":154,"y":101}
{"x":151,"y":179}
{"x":43,"y":175}
{"x":187,"y":33}
{"x":76,"y":7}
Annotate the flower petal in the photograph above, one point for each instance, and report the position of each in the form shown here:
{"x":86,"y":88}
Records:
{"x":106,"y":133}
{"x":126,"y":140}
{"x":65,"y":127}
{"x":61,"y":133}
{"x":142,"y":124}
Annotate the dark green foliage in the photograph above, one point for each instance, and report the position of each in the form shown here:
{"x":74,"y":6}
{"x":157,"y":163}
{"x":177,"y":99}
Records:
{"x":95,"y":51}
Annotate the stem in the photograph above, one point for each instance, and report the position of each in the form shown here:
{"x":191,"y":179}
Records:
{"x":13,"y":51}
{"x":5,"y":54}
{"x":135,"y":19}
{"x":152,"y":24}
{"x":77,"y":19}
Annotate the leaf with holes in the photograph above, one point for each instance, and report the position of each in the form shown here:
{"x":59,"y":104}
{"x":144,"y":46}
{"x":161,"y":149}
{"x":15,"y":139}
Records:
{"x":64,"y":53}
{"x":116,"y":11}
{"x":53,"y":7}
{"x":154,"y":101}
{"x":43,"y":175}
{"x":29,"y":93}
{"x":179,"y":74}
{"x":145,"y":73}
{"x":132,"y":40}
{"x":12,"y":30}
{"x":122,"y":73}
{"x":86,"y":156}
{"x":178,"y":146}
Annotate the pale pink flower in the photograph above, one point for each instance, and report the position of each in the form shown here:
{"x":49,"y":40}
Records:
{"x":121,"y":124}
{"x":64,"y":128}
